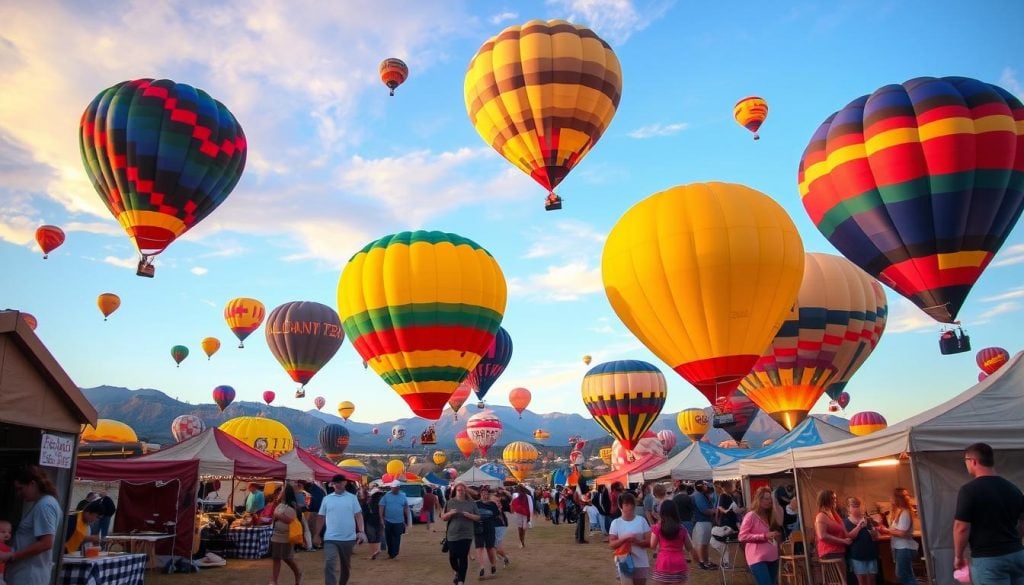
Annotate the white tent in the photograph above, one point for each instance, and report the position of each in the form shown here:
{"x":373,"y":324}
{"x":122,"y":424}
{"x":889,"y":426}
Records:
{"x":692,"y":463}
{"x":927,"y":450}
{"x":475,"y":476}
{"x":811,"y":431}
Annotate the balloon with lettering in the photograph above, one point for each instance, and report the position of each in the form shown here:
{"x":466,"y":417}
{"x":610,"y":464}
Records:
{"x":345,"y":409}
{"x":49,"y":237}
{"x":991,"y":359}
{"x":422,"y":308}
{"x":465,"y":445}
{"x":303,"y":336}
{"x":751,"y":112}
{"x":459,"y":397}
{"x":243,"y":315}
{"x":398,"y":432}
{"x":319,"y":402}
{"x":179,"y":353}
{"x":269,"y":396}
{"x":261,"y":433}
{"x":210,"y":346}
{"x":108,"y":303}
{"x":162,"y":156}
{"x":519,"y":398}
{"x":484,"y":429}
{"x":625,"y":397}
{"x":186,"y":426}
{"x":865,"y":423}
{"x":694,"y":423}
{"x":492,"y":364}
{"x":393,"y":72}
{"x":223,"y":396}
{"x":334,"y":439}
{"x":439,"y":458}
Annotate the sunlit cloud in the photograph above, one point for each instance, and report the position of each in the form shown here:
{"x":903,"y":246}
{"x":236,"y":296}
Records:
{"x":564,"y":238}
{"x":1010,"y":256}
{"x":198,"y":270}
{"x":1009,"y":81}
{"x":503,"y":17}
{"x":130,"y":262}
{"x":614,"y":20}
{"x":658,"y":129}
{"x":905,"y":317}
{"x":567,"y":282}
{"x":1000,"y":309}
{"x":1014,"y":293}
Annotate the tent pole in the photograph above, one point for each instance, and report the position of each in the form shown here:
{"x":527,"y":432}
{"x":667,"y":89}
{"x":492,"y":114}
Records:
{"x":800,"y":515}
{"x":924,"y":528}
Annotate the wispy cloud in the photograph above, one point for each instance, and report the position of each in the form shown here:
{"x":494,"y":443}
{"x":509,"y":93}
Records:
{"x":503,"y":17}
{"x":198,"y":270}
{"x":130,"y":262}
{"x":905,"y":317}
{"x":614,"y":20}
{"x":566,"y":282}
{"x":1012,"y":294}
{"x":1008,"y":80}
{"x":1010,"y":256}
{"x":658,"y":129}
{"x":1000,"y":309}
{"x":572,"y":249}
{"x":567,"y":236}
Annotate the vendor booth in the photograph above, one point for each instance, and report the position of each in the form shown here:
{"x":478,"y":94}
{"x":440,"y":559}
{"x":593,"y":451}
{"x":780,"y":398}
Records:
{"x":811,"y":431}
{"x":696,"y":461}
{"x":304,"y":465}
{"x":474,"y":476}
{"x":923,"y":453}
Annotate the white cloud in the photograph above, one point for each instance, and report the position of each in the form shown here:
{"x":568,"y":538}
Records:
{"x":566,"y":237}
{"x":658,"y":129}
{"x":131,"y":262}
{"x":576,"y":247}
{"x":1014,"y":293}
{"x":198,"y":270}
{"x":1008,"y":81}
{"x":614,"y":20}
{"x":503,"y":17}
{"x":1000,"y":309}
{"x":1010,"y":256}
{"x":566,"y":282}
{"x":905,"y":317}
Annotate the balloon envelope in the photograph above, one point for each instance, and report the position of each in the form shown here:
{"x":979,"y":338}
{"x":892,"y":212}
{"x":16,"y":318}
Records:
{"x":243,"y":315}
{"x":520,"y":457}
{"x":750,"y":112}
{"x":393,"y":72}
{"x":260,"y":433}
{"x":223,"y":396}
{"x":319,"y":402}
{"x":865,"y":423}
{"x":439,"y":458}
{"x":210,"y":346}
{"x":919,"y":184}
{"x":624,"y":397}
{"x":519,"y":398}
{"x":991,"y":359}
{"x":30,"y":319}
{"x":49,"y":237}
{"x":108,"y":430}
{"x":108,"y":303}
{"x":186,"y":426}
{"x":668,"y":440}
{"x":492,"y":364}
{"x":484,"y":429}
{"x":179,"y":353}
{"x":303,"y":336}
{"x":334,"y":439}
{"x":345,"y":409}
{"x":459,"y":397}
{"x":464,"y":443}
{"x":398,"y":432}
{"x":268,"y":396}
{"x":734,"y":414}
{"x":694,"y":423}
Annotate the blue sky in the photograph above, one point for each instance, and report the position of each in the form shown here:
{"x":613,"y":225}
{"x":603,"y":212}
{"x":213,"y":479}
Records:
{"x":334,"y":163}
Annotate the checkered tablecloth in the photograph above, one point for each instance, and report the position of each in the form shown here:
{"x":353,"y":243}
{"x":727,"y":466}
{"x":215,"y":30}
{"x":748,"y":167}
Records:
{"x":250,"y":542}
{"x":110,"y":570}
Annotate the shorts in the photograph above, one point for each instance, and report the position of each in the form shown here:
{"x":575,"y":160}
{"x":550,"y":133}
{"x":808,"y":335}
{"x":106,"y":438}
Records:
{"x":702,"y":533}
{"x":638,"y":573}
{"x":864,"y":567}
{"x":484,"y":539}
{"x":499,"y":535}
{"x":520,"y":521}
{"x":282,"y":551}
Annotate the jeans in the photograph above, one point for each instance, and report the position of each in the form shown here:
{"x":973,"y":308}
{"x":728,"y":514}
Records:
{"x":334,"y":551}
{"x":458,"y":557}
{"x":1001,"y":570}
{"x":393,"y":532}
{"x":905,"y":566}
{"x":601,"y":524}
{"x":765,"y":572}
{"x":581,"y":528}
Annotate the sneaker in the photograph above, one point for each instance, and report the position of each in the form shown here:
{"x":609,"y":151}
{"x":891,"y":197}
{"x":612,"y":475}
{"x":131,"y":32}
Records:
{"x":494,"y":569}
{"x":505,"y":561}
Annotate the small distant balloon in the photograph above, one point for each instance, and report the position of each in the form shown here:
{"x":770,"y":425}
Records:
{"x":210,"y":346}
{"x":108,"y":303}
{"x":49,"y":238}
{"x":269,"y":396}
{"x":223,"y":396}
{"x":393,"y":72}
{"x":750,"y":112}
{"x":179,"y":353}
{"x":319,"y":402}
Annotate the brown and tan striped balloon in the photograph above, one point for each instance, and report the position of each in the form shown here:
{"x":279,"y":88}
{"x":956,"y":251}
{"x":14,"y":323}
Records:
{"x":542,"y":94}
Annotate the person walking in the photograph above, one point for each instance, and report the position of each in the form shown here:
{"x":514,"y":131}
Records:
{"x":670,"y":538}
{"x":522,"y":507}
{"x":396,"y":517}
{"x":372,"y":521}
{"x":460,"y":514}
{"x":760,"y":534}
{"x":581,"y":498}
{"x":286,"y":511}
{"x":340,"y":520}
{"x":484,"y":533}
{"x":501,"y":498}
{"x":429,"y":505}
{"x":30,"y":561}
{"x":630,"y":536}
{"x":705,"y":515}
{"x":989,"y":517}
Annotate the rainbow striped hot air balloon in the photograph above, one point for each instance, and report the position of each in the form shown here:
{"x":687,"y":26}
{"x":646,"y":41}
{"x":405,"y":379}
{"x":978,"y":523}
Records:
{"x":991,"y":359}
{"x":520,"y":458}
{"x":422,"y":308}
{"x":919,"y":184}
{"x":865,"y":423}
{"x":624,"y":397}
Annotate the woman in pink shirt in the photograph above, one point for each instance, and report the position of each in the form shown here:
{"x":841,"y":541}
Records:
{"x":760,"y":534}
{"x":671,"y":537}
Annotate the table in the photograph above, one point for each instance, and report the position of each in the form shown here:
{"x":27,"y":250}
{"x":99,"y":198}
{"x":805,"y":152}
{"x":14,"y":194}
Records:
{"x":250,"y":542}
{"x":107,"y":569}
{"x":142,"y":543}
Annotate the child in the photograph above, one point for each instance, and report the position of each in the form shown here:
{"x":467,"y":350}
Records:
{"x":5,"y":537}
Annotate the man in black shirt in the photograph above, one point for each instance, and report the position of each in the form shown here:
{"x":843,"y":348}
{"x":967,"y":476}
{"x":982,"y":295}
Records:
{"x":989,"y":516}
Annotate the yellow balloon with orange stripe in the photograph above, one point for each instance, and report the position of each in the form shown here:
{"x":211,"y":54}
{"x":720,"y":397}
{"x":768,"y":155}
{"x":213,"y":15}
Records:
{"x":694,"y":423}
{"x":520,"y":458}
{"x":421,"y":308}
{"x":751,"y":112}
{"x":244,"y":315}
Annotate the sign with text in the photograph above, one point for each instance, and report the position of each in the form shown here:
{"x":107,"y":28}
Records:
{"x":56,"y":451}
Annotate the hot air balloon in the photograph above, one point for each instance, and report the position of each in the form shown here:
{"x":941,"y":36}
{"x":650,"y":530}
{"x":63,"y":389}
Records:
{"x":439,"y":458}
{"x":261,"y":433}
{"x":694,"y":423}
{"x":179,"y":353}
{"x":519,"y":457}
{"x":606,"y":455}
{"x":575,"y":457}
{"x":268,"y":396}
{"x":108,"y":303}
{"x":186,"y":426}
{"x":586,"y":360}
{"x":162,"y":156}
{"x":223,"y":396}
{"x":422,"y":308}
{"x":243,"y":315}
{"x":345,"y":409}
{"x":303,"y":336}
{"x":580,"y":445}
{"x":376,"y":430}
{"x":991,"y":359}
{"x":492,"y":365}
{"x":803,"y":359}
{"x":542,"y":94}
{"x":668,"y":440}
{"x":334,"y":440}
{"x":706,"y":295}
{"x":459,"y":398}
{"x":319,"y":402}
{"x":865,"y":423}
{"x":484,"y":429}
{"x":210,"y":346}
{"x":750,"y":112}
{"x":982,"y":376}
{"x":393,"y":72}
{"x":624,"y":397}
{"x":734,"y":414}
{"x":108,"y":430}
{"x":844,"y":400}
{"x":541,"y":435}
{"x":833,"y":406}
{"x":919,"y":184}
{"x":647,"y":445}
{"x":465,"y":445}
{"x":353,"y":466}
{"x":30,"y":319}
{"x":851,"y":356}
{"x":49,"y":238}
{"x":395,"y":466}
{"x":519,"y":398}
{"x":398,"y":432}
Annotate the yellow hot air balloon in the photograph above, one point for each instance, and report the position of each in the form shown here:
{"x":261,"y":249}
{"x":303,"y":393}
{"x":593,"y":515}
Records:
{"x":817,"y":341}
{"x":542,"y":94}
{"x":395,"y":466}
{"x":210,"y":346}
{"x":260,"y":433}
{"x":750,"y":112}
{"x":422,"y":308}
{"x":439,"y":458}
{"x":541,"y":435}
{"x":586,"y":360}
{"x":520,"y":457}
{"x":244,"y":315}
{"x":345,"y":409}
{"x":694,"y":423}
{"x":704,"y":275}
{"x":108,"y":303}
{"x":606,"y":455}
{"x":108,"y":430}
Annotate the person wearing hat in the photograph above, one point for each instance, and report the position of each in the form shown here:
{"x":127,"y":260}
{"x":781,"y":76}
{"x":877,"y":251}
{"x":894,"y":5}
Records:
{"x":395,"y":517}
{"x":705,"y":514}
{"x":343,"y":517}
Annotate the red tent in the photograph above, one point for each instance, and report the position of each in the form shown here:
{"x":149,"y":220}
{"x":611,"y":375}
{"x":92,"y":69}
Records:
{"x":322,"y":470}
{"x":151,"y":494}
{"x":221,"y":456}
{"x":631,"y":473}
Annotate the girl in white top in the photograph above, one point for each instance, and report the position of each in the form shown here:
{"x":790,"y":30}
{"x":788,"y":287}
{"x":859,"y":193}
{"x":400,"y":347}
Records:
{"x":904,"y":547}
{"x":631,"y":533}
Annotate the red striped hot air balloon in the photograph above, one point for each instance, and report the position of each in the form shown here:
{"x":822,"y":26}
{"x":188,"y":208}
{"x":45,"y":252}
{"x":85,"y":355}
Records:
{"x":459,"y":397}
{"x":484,"y":429}
{"x":865,"y":423}
{"x":625,"y":397}
{"x":991,"y":359}
{"x":393,"y":72}
{"x":49,"y":238}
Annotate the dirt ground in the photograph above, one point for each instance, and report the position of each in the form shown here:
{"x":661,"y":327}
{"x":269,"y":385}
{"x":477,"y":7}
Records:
{"x":550,"y":557}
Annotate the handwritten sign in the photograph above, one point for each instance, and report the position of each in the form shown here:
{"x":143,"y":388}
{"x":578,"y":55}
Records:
{"x":56,"y":451}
